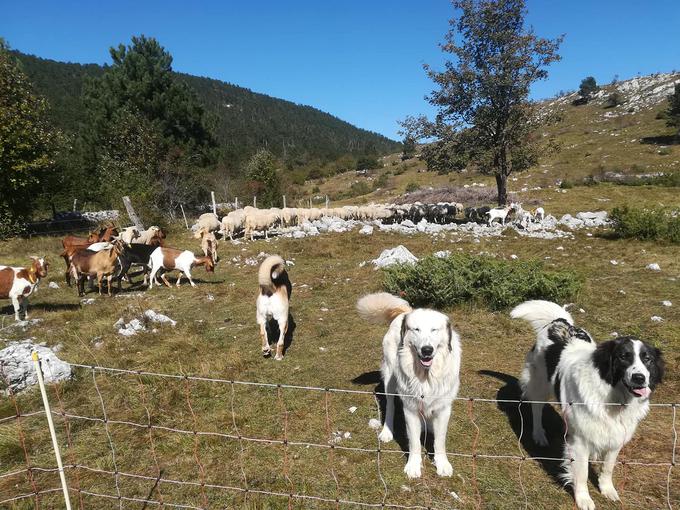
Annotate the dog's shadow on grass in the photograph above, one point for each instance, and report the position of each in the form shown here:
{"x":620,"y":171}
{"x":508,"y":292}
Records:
{"x":552,"y":422}
{"x":400,"y":436}
{"x":273,"y":332}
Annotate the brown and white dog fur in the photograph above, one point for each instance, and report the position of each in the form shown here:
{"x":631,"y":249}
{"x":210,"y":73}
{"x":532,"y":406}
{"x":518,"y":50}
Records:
{"x":273,"y":301}
{"x":171,"y":259}
{"x":17,"y":283}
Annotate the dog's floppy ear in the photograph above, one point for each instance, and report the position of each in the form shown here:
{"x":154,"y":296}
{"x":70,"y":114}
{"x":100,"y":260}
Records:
{"x":604,"y":362}
{"x":449,"y":332}
{"x":404,"y":329}
{"x":658,"y":369}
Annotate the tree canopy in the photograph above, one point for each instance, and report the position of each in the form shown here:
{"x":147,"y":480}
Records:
{"x":263,"y":179}
{"x":28,"y":143}
{"x":587,"y":88}
{"x":673,"y":111}
{"x":484,"y":116}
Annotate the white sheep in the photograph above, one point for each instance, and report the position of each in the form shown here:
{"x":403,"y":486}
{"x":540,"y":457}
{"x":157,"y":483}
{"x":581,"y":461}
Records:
{"x":207,"y":221}
{"x":233,"y":222}
{"x":129,"y":234}
{"x":261,"y":219}
{"x":151,"y":235}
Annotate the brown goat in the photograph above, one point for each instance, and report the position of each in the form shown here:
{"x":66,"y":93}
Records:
{"x":72,"y":244}
{"x":101,"y":263}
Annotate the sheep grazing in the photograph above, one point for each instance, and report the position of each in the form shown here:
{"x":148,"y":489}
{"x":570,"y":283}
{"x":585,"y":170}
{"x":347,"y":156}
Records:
{"x":101,"y":263}
{"x":17,"y":283}
{"x":207,"y":221}
{"x":232,"y":223}
{"x":289,"y":216}
{"x":171,"y":259}
{"x":259,"y":219}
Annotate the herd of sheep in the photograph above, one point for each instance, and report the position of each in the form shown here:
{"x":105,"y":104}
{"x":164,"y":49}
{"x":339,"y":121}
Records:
{"x":250,"y":219}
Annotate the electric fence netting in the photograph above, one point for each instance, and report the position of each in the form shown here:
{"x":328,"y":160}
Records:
{"x":138,"y":439}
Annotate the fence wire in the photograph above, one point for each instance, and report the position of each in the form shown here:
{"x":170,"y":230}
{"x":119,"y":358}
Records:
{"x":82,"y":476}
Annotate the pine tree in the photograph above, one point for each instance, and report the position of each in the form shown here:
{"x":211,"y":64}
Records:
{"x":484,"y":114}
{"x":409,"y":148}
{"x":587,"y":88}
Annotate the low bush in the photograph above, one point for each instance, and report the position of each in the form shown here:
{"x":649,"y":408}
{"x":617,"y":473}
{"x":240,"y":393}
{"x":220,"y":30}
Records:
{"x":411,"y":187}
{"x":646,"y":224}
{"x":496,"y":284}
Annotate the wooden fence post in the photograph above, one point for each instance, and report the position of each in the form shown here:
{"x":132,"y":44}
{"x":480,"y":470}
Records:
{"x":284,"y":201}
{"x":212,"y":196}
{"x":255,"y":201}
{"x":185,"y":216}
{"x":132,"y":214}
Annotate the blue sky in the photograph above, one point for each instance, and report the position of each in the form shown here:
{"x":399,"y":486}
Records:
{"x":358,"y":60}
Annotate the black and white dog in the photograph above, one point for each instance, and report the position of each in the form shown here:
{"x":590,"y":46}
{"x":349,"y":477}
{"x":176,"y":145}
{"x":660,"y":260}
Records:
{"x":603,"y":390}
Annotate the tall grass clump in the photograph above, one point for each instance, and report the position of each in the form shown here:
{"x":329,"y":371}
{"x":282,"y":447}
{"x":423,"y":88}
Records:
{"x":646,"y":224}
{"x":484,"y":281}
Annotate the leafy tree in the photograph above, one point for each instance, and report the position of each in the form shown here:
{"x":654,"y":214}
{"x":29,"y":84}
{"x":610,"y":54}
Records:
{"x":587,"y":88}
{"x":482,"y":100}
{"x":367,"y":163}
{"x":28,"y":143}
{"x":409,"y":148}
{"x":673,"y":111}
{"x":263,"y":180}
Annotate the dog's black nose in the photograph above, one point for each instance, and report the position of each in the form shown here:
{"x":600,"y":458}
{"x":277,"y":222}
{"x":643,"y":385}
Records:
{"x":427,"y":350}
{"x":638,"y":378}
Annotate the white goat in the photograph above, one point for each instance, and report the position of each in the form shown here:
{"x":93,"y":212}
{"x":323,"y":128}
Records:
{"x":498,"y":213}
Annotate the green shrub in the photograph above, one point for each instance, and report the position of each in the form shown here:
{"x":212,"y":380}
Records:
{"x":460,"y":278}
{"x":566,"y":184}
{"x":646,"y":224}
{"x":411,"y":187}
{"x":664,"y":151}
{"x":380,"y":182}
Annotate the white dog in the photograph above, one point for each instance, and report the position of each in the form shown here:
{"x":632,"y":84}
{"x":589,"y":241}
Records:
{"x":421,"y":357}
{"x":272,"y":301}
{"x":566,"y":363}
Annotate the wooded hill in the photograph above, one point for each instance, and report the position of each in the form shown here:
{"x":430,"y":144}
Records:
{"x":244,"y":120}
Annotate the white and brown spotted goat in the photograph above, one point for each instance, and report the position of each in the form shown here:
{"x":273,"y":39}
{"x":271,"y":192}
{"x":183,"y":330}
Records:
{"x":17,"y":283}
{"x":171,"y":259}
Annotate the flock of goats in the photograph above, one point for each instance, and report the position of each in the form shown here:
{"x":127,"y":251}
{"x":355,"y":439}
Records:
{"x":109,"y":253}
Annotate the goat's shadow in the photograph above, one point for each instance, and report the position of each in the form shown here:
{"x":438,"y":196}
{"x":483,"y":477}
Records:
{"x":273,"y":332}
{"x":400,"y":435}
{"x":521,"y":426}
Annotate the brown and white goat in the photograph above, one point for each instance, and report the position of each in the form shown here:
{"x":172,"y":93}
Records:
{"x":72,"y":244}
{"x":171,"y":259}
{"x":17,"y":283}
{"x":100,"y":263}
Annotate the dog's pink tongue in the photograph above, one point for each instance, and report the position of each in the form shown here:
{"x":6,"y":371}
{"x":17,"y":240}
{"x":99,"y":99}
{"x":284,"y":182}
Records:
{"x":426,"y":363}
{"x":642,"y":392}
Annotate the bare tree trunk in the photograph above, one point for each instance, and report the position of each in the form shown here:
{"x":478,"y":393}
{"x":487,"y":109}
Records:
{"x":502,"y":185}
{"x":131,"y":213}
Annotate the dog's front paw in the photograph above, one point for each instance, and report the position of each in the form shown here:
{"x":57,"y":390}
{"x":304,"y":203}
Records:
{"x":266,"y":352}
{"x":413,"y":466}
{"x":444,"y":467}
{"x":608,"y":491}
{"x":584,"y":501}
{"x":385,"y":435}
{"x":540,"y":438}
{"x":278,"y":357}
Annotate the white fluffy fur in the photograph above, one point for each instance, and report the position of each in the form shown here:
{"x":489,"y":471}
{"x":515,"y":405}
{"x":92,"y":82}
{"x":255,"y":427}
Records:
{"x":404,"y":373}
{"x":595,"y":430}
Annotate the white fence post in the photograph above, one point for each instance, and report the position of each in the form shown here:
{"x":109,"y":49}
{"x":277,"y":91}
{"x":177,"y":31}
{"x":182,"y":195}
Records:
{"x":255,"y":201}
{"x":50,"y":423}
{"x":284,"y":201}
{"x":212,"y":196}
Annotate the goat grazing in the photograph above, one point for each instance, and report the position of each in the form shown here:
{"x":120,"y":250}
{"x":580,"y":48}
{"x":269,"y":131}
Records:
{"x":17,"y":283}
{"x":170,"y":259}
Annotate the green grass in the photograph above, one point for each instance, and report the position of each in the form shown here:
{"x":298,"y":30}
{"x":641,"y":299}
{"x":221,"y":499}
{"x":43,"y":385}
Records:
{"x":219,"y":338}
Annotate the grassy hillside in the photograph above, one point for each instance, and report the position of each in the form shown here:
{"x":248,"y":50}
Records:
{"x":596,"y":143}
{"x":245,"y":120}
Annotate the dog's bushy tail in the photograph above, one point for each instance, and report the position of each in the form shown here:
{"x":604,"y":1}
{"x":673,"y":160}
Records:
{"x":540,"y":313}
{"x":382,"y":307}
{"x":272,"y":268}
